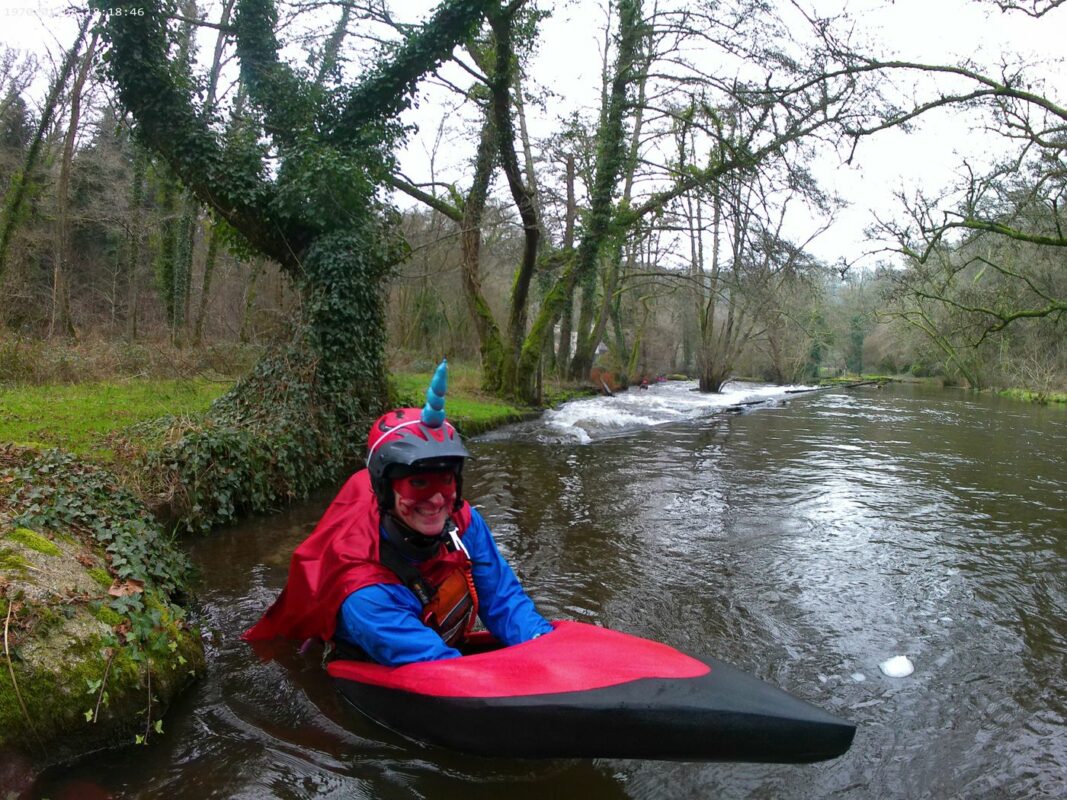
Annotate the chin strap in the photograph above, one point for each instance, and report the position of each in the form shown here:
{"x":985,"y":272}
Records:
{"x":456,"y":541}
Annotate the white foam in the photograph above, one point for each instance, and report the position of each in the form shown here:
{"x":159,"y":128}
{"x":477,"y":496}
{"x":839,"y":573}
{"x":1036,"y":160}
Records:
{"x":594,"y":417}
{"x":897,"y":667}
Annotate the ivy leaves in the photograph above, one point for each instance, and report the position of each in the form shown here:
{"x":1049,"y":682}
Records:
{"x":57,"y":492}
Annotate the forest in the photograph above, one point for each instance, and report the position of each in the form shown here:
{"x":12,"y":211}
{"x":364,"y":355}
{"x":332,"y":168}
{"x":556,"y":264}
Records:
{"x":648,"y":235}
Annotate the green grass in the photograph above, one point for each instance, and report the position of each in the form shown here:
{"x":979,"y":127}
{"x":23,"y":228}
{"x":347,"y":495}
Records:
{"x":79,"y":417}
{"x":1044,"y":398}
{"x":466,"y":405}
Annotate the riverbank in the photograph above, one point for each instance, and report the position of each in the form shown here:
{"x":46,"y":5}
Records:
{"x":93,"y":586}
{"x":1038,"y":396}
{"x":95,"y":641}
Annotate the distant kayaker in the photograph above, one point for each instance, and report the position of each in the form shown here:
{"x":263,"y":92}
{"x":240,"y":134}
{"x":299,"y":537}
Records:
{"x":400,"y":565}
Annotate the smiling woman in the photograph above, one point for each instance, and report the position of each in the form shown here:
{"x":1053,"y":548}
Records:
{"x":400,"y":566}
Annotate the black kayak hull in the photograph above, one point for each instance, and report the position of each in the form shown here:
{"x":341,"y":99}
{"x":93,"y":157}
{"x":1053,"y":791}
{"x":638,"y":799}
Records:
{"x":721,"y":715}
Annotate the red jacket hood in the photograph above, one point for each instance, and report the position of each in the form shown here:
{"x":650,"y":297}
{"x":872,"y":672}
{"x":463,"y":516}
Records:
{"x":339,"y":557}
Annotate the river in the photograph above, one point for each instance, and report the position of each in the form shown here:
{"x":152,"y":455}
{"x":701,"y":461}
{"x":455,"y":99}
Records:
{"x":804,"y":537}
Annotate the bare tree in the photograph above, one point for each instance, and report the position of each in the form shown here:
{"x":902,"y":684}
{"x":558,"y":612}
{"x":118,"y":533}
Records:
{"x":16,"y":193}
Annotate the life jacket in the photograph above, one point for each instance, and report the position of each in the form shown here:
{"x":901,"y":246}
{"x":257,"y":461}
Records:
{"x":443,"y":584}
{"x":340,"y":556}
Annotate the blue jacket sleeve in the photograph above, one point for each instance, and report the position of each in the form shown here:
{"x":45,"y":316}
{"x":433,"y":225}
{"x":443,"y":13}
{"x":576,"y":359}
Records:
{"x":385,"y":621}
{"x":504,"y":607}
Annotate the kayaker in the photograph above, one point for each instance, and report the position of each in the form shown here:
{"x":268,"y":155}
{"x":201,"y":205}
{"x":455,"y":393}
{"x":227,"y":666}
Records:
{"x":400,"y":565}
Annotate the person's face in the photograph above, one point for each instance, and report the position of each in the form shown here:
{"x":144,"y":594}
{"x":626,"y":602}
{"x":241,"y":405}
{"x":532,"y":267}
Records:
{"x":424,"y":500}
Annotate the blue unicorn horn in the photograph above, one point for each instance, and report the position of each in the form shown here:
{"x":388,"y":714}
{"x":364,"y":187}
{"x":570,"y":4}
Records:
{"x":433,"y":413}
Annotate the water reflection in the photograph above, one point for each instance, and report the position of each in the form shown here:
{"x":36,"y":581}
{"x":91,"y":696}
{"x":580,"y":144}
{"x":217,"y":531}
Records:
{"x":805,"y":542}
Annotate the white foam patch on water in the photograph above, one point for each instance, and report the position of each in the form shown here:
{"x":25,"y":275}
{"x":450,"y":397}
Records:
{"x":897,"y":667}
{"x":597,"y":417}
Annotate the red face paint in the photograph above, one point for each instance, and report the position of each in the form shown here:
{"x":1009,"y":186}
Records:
{"x":422,"y":486}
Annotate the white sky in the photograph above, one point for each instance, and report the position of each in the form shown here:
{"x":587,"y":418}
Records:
{"x":933,"y":31}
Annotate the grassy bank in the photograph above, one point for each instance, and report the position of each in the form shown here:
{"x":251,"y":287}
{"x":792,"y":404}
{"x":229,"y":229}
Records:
{"x":1044,"y":397}
{"x":82,"y":417}
{"x":86,"y":418}
{"x":1029,"y":396}
{"x":469,"y":408}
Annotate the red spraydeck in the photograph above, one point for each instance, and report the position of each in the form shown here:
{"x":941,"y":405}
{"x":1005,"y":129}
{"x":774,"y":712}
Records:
{"x":575,"y":657}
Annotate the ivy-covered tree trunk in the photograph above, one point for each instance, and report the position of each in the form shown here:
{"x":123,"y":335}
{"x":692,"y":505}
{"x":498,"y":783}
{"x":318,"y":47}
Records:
{"x":490,"y":342}
{"x":210,"y":259}
{"x":517,"y":379}
{"x":167,"y":248}
{"x":182,"y":263}
{"x":526,"y":348}
{"x":603,"y":229}
{"x":563,"y":352}
{"x":303,"y":190}
{"x":134,"y":234}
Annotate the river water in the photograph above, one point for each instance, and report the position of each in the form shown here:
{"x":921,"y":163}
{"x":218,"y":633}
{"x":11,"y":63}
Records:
{"x":804,"y":537}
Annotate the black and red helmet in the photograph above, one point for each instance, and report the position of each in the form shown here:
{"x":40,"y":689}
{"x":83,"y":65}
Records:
{"x":409,"y":440}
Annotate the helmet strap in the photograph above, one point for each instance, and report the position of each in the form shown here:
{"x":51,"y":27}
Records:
{"x":410,"y":542}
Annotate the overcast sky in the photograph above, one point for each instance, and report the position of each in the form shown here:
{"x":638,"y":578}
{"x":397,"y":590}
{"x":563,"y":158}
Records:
{"x":933,"y":31}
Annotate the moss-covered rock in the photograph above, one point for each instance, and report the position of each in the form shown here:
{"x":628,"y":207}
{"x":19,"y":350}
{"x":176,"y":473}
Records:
{"x":11,"y":563}
{"x":77,"y":688}
{"x":94,"y":647}
{"x":34,"y":541}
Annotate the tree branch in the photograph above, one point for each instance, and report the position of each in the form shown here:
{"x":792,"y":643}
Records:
{"x":387,"y":91}
{"x":168,"y":121}
{"x":436,"y":203}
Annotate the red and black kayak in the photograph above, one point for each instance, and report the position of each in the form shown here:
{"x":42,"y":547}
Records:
{"x":584,"y":691}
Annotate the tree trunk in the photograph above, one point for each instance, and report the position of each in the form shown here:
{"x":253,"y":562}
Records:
{"x":615,"y":157}
{"x":567,"y":316}
{"x":244,"y":334}
{"x":205,"y":285}
{"x":515,"y":380}
{"x":134,"y":234}
{"x":184,"y":243}
{"x":532,"y":187}
{"x":61,"y":322}
{"x":167,"y":253}
{"x":490,"y":342}
{"x":333,"y":45}
{"x":711,"y":369}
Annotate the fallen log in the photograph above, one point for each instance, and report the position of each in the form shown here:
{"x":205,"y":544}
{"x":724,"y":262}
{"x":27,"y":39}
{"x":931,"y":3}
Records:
{"x":826,"y":386}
